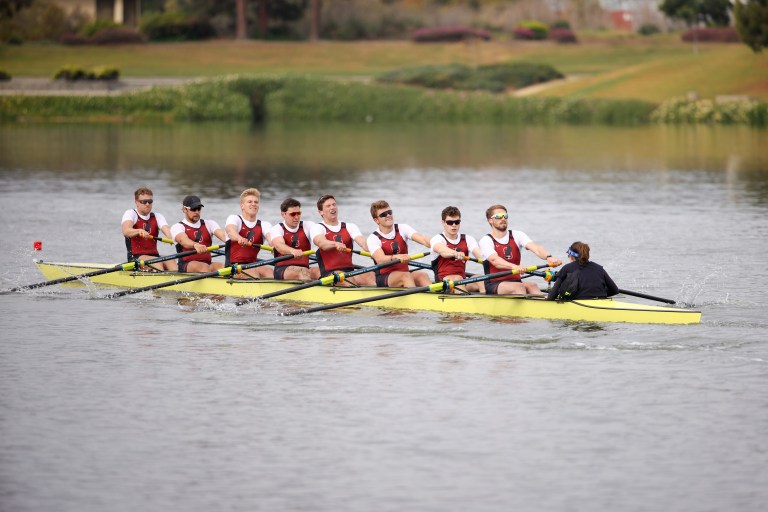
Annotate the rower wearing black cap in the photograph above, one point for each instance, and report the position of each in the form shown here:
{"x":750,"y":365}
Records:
{"x":192,"y":232}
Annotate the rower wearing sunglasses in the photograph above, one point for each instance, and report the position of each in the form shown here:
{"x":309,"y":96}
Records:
{"x":389,"y":243}
{"x":192,"y":232}
{"x":449,"y":250}
{"x":501,"y":251}
{"x":292,"y":236}
{"x":141,"y":227}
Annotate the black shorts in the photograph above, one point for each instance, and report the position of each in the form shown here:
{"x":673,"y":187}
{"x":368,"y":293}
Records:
{"x":382,"y":280}
{"x":280,"y":271}
{"x":183,"y":265}
{"x":492,"y":287}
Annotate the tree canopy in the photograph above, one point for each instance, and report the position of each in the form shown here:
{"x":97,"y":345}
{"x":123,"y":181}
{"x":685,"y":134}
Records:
{"x":711,"y":12}
{"x":751,"y":19}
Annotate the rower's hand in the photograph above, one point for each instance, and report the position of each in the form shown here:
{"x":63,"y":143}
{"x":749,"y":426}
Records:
{"x":340,"y":247}
{"x":200,"y":248}
{"x":520,"y":269}
{"x":243,"y":242}
{"x":458,"y":255}
{"x":554,"y":262}
{"x":297,"y":253}
{"x":404,"y":258}
{"x":144,"y":234}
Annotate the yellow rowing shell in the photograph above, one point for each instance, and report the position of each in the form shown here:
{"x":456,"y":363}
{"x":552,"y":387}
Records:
{"x":593,"y":310}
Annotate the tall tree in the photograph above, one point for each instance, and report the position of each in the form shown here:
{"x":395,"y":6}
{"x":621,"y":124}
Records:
{"x":314,"y":19}
{"x":752,"y":23}
{"x":241,"y":28}
{"x":711,"y":12}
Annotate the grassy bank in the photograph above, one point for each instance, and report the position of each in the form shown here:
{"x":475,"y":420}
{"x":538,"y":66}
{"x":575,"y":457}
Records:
{"x":651,"y":69}
{"x":312,"y":99}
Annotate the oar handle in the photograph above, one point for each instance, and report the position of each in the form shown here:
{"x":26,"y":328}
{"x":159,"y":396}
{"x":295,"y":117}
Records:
{"x":165,"y":240}
{"x":261,"y":246}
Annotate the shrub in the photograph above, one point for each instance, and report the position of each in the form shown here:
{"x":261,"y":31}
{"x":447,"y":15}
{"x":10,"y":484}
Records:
{"x":72,"y":73}
{"x":560,"y":24}
{"x":94,"y":27}
{"x":491,"y":78}
{"x":73,"y":39}
{"x":4,"y":76}
{"x":562,"y":35}
{"x":712,"y":35}
{"x":539,"y":30}
{"x":683,"y":110}
{"x":648,"y":29}
{"x":117,"y":36}
{"x":523,"y":33}
{"x":448,"y":34}
{"x":175,"y":26}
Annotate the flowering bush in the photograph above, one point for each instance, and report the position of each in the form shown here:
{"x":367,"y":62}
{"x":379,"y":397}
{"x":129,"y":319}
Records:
{"x":562,"y":35}
{"x":116,"y":36}
{"x":448,"y":34}
{"x":712,"y":35}
{"x":683,"y":110}
{"x":530,"y":29}
{"x":73,"y":39}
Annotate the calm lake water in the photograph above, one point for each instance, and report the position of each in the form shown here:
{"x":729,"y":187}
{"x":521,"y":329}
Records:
{"x":154,"y":403}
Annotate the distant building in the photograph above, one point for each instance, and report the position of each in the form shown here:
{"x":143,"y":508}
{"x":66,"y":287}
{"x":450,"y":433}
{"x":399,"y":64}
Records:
{"x":120,"y":11}
{"x":622,"y":20}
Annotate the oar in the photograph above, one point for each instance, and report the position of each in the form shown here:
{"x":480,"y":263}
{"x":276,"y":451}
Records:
{"x":129,"y":265}
{"x":442,"y":286}
{"x":236,"y":268}
{"x":645,"y":296}
{"x":161,"y":239}
{"x":334,"y":278}
{"x":548,"y":276}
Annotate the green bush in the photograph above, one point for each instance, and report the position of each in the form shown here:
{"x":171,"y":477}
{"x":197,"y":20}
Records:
{"x":4,"y":76}
{"x":303,"y":99}
{"x":648,"y":29}
{"x":492,"y":77}
{"x":72,"y":73}
{"x":175,"y":26}
{"x":94,"y":27}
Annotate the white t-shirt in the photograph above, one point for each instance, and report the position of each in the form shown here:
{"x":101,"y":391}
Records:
{"x":318,"y":229}
{"x":133,"y":216}
{"x":438,"y":239}
{"x":278,"y":231}
{"x":210,"y":225}
{"x":238,"y":222}
{"x":374,"y":243}
{"x":486,"y":243}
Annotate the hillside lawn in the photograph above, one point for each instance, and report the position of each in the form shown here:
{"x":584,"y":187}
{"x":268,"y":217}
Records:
{"x":627,"y":67}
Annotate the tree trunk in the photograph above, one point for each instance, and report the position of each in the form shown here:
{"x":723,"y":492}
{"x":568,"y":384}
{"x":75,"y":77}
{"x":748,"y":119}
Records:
{"x":263,"y":18}
{"x":241,"y":27}
{"x":314,"y":19}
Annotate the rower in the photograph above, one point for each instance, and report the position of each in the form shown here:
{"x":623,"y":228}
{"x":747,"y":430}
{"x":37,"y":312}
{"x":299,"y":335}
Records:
{"x":192,"y":232}
{"x":141,"y":228}
{"x":292,"y":236}
{"x":501,"y":251}
{"x":246,"y":233}
{"x":450,"y":250}
{"x":388,"y":243}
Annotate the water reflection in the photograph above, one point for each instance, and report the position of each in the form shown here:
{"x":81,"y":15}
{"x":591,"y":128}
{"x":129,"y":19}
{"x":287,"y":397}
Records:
{"x":229,"y":157}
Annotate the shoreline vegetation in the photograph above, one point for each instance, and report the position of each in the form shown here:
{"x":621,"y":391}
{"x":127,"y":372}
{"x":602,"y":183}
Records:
{"x":622,"y":79}
{"x":259,"y":98}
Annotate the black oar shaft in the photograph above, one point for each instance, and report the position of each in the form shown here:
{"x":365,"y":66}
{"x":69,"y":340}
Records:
{"x":221,"y":272}
{"x":128,"y":265}
{"x":646,"y":296}
{"x":436,"y":287}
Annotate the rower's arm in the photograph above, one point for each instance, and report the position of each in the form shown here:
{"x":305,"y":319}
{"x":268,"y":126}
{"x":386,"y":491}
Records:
{"x":542,"y":253}
{"x":419,"y":238}
{"x":232,"y":232}
{"x":220,"y":234}
{"x":360,"y":240}
{"x":324,"y":244}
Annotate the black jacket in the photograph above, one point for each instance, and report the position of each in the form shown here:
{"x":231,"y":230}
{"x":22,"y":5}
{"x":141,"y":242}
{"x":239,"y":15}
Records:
{"x":588,"y":282}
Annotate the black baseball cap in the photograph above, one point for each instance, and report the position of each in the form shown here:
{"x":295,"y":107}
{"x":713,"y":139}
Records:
{"x":192,"y":202}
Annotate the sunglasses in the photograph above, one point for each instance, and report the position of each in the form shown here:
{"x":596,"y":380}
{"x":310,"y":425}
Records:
{"x":498,"y":216}
{"x":453,"y":222}
{"x":146,"y":201}
{"x":385,"y":214}
{"x":294,"y":214}
{"x":195,"y":209}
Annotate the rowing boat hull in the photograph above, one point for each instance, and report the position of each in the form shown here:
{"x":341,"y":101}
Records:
{"x":599,"y":310}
